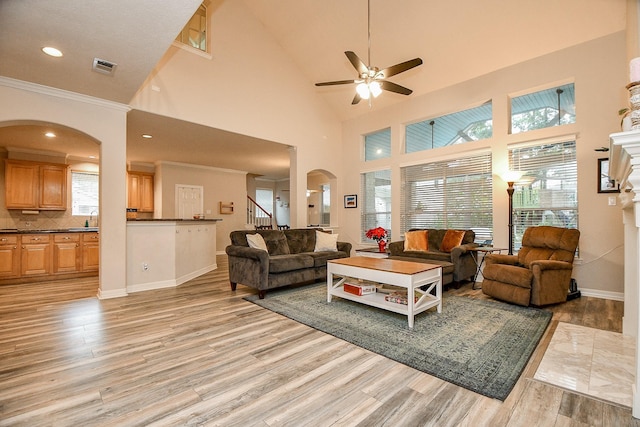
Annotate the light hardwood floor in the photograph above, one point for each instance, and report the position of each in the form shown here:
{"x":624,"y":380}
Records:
{"x":201,"y":355}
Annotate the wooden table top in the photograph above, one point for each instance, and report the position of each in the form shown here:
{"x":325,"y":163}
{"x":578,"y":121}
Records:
{"x":383,"y":264}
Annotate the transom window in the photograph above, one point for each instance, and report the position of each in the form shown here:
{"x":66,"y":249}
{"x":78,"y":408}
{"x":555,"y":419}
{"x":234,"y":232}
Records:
{"x":543,"y":109}
{"x":377,"y":145}
{"x":449,"y":194}
{"x":194,"y":34}
{"x":457,"y":128}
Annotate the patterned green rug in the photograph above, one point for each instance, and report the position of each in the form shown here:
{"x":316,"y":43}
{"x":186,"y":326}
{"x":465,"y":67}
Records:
{"x":480,"y":345}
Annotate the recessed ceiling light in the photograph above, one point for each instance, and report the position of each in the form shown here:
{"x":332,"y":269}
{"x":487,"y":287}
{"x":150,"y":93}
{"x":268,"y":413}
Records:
{"x":92,"y":157}
{"x":146,"y":135}
{"x":50,"y":135}
{"x":52,"y":51}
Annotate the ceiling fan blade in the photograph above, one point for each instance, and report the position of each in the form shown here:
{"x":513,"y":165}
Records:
{"x":337,"y":82}
{"x":356,"y":99}
{"x":399,"y":68}
{"x":357,"y":63}
{"x":392,"y":87}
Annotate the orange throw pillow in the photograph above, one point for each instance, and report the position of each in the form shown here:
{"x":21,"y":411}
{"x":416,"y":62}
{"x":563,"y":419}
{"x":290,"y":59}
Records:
{"x":416,"y":241}
{"x":451,"y":239}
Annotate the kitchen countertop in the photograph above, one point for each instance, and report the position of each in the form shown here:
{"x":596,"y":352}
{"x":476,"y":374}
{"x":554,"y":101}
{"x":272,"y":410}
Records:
{"x":56,"y":230}
{"x":172,"y":220}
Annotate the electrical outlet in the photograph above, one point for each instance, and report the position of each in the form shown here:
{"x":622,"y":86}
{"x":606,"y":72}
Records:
{"x":145,"y":266}
{"x":612,"y":200}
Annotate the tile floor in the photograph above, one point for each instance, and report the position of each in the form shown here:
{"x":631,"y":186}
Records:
{"x":590,"y":361}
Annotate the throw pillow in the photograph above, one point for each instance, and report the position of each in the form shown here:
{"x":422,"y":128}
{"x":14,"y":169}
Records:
{"x":256,"y":241}
{"x":326,"y":242}
{"x":276,"y":242}
{"x":451,"y":239}
{"x":416,"y":241}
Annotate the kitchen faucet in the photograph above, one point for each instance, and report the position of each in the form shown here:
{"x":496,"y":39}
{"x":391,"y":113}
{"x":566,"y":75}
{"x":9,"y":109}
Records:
{"x":91,"y":218}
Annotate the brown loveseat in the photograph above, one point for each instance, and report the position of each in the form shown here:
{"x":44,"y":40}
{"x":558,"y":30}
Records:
{"x":291,"y":258}
{"x":457,"y":262}
{"x":539,"y":274}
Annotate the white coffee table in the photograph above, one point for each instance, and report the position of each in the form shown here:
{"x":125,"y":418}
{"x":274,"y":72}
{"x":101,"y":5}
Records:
{"x":409,"y":275}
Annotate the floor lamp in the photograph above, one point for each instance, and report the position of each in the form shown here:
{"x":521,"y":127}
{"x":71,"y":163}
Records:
{"x":511,"y":177}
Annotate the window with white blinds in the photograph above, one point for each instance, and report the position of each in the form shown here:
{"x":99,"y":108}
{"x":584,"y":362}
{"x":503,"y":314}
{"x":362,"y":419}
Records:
{"x":84,"y":193}
{"x":375,"y":207}
{"x":449,"y":194}
{"x":547,"y":193}
{"x":377,"y":145}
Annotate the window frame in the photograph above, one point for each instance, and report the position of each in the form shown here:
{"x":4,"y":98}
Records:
{"x":371,"y":218}
{"x":75,"y":192}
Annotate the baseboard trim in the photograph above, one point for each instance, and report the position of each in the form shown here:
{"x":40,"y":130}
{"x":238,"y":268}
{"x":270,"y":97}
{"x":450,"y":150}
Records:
{"x":596,"y":293}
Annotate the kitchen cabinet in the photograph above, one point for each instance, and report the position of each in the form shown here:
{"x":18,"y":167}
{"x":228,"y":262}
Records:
{"x":66,"y":253}
{"x":140,"y":191}
{"x":9,"y":257}
{"x":90,"y":251}
{"x":33,"y":185}
{"x":35,"y":258}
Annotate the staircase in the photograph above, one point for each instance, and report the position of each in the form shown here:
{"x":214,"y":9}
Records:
{"x":257,"y":217}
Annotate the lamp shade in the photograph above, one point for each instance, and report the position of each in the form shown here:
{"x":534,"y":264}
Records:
{"x":375,"y":88}
{"x":512,"y":176}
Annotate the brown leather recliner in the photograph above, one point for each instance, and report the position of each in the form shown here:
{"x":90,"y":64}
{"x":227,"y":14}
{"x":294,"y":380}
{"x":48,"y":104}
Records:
{"x":539,"y":274}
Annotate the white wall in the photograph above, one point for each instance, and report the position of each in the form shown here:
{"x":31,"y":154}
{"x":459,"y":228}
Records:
{"x":599,"y":70}
{"x":251,"y":87}
{"x":103,"y":121}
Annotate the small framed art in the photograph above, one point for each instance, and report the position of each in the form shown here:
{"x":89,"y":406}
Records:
{"x":606,"y":184}
{"x":351,"y":201}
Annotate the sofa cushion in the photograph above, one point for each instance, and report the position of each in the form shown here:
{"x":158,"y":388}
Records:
{"x":416,"y":240}
{"x":451,"y":239}
{"x":289,"y":262}
{"x":301,"y":240}
{"x":320,"y":258}
{"x":276,"y":242}
{"x":256,"y":241}
{"x":326,"y":242}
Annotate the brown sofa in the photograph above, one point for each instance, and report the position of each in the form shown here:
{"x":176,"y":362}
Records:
{"x":539,"y":274}
{"x":457,"y":265}
{"x":291,"y":258}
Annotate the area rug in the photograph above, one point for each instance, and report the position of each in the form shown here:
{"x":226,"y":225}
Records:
{"x":480,"y":345}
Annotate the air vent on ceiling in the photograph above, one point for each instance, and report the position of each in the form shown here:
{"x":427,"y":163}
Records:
{"x":104,"y":67}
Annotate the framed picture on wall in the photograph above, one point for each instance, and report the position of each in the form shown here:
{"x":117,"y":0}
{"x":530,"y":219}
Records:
{"x":606,"y":184}
{"x":351,"y":201}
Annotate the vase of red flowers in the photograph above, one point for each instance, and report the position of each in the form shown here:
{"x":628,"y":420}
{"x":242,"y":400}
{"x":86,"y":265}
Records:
{"x":378,"y":234}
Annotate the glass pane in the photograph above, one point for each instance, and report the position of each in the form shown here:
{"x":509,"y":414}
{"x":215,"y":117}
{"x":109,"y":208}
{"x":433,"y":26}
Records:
{"x":194,"y":34}
{"x":85,"y":193}
{"x":547,"y":193}
{"x":547,"y":108}
{"x":464,"y":126}
{"x":264,"y":198}
{"x":449,"y":194}
{"x":377,"y":145}
{"x":376,"y":203}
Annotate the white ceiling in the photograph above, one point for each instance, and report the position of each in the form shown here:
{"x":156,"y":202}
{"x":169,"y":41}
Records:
{"x":457,"y":40}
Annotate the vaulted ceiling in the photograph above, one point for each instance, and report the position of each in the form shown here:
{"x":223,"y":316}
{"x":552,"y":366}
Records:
{"x":456,"y":40}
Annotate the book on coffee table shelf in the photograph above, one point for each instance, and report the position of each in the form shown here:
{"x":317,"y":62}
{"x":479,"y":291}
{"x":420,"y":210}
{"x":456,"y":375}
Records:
{"x":398,"y":298}
{"x":359,"y":288}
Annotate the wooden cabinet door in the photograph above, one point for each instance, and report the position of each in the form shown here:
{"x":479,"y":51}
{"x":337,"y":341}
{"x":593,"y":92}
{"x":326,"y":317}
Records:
{"x":66,"y":253}
{"x":9,"y":257}
{"x":53,"y":187}
{"x":35,"y":255}
{"x":146,"y":193}
{"x":133,"y":191}
{"x":90,"y":251}
{"x":21,"y":185}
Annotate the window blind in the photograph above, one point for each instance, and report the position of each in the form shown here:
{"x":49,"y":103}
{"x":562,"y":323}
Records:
{"x":449,"y":194}
{"x":375,"y":207}
{"x":547,"y":193}
{"x":84,"y":193}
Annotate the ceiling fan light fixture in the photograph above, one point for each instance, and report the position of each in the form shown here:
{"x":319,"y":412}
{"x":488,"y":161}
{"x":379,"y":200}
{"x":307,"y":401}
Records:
{"x":375,"y":89}
{"x":363,"y":90}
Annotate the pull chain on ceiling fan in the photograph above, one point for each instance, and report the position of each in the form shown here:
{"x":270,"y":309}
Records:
{"x":372,"y":81}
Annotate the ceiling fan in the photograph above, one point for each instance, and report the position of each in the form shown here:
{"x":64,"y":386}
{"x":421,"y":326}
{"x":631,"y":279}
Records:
{"x":372,"y":81}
